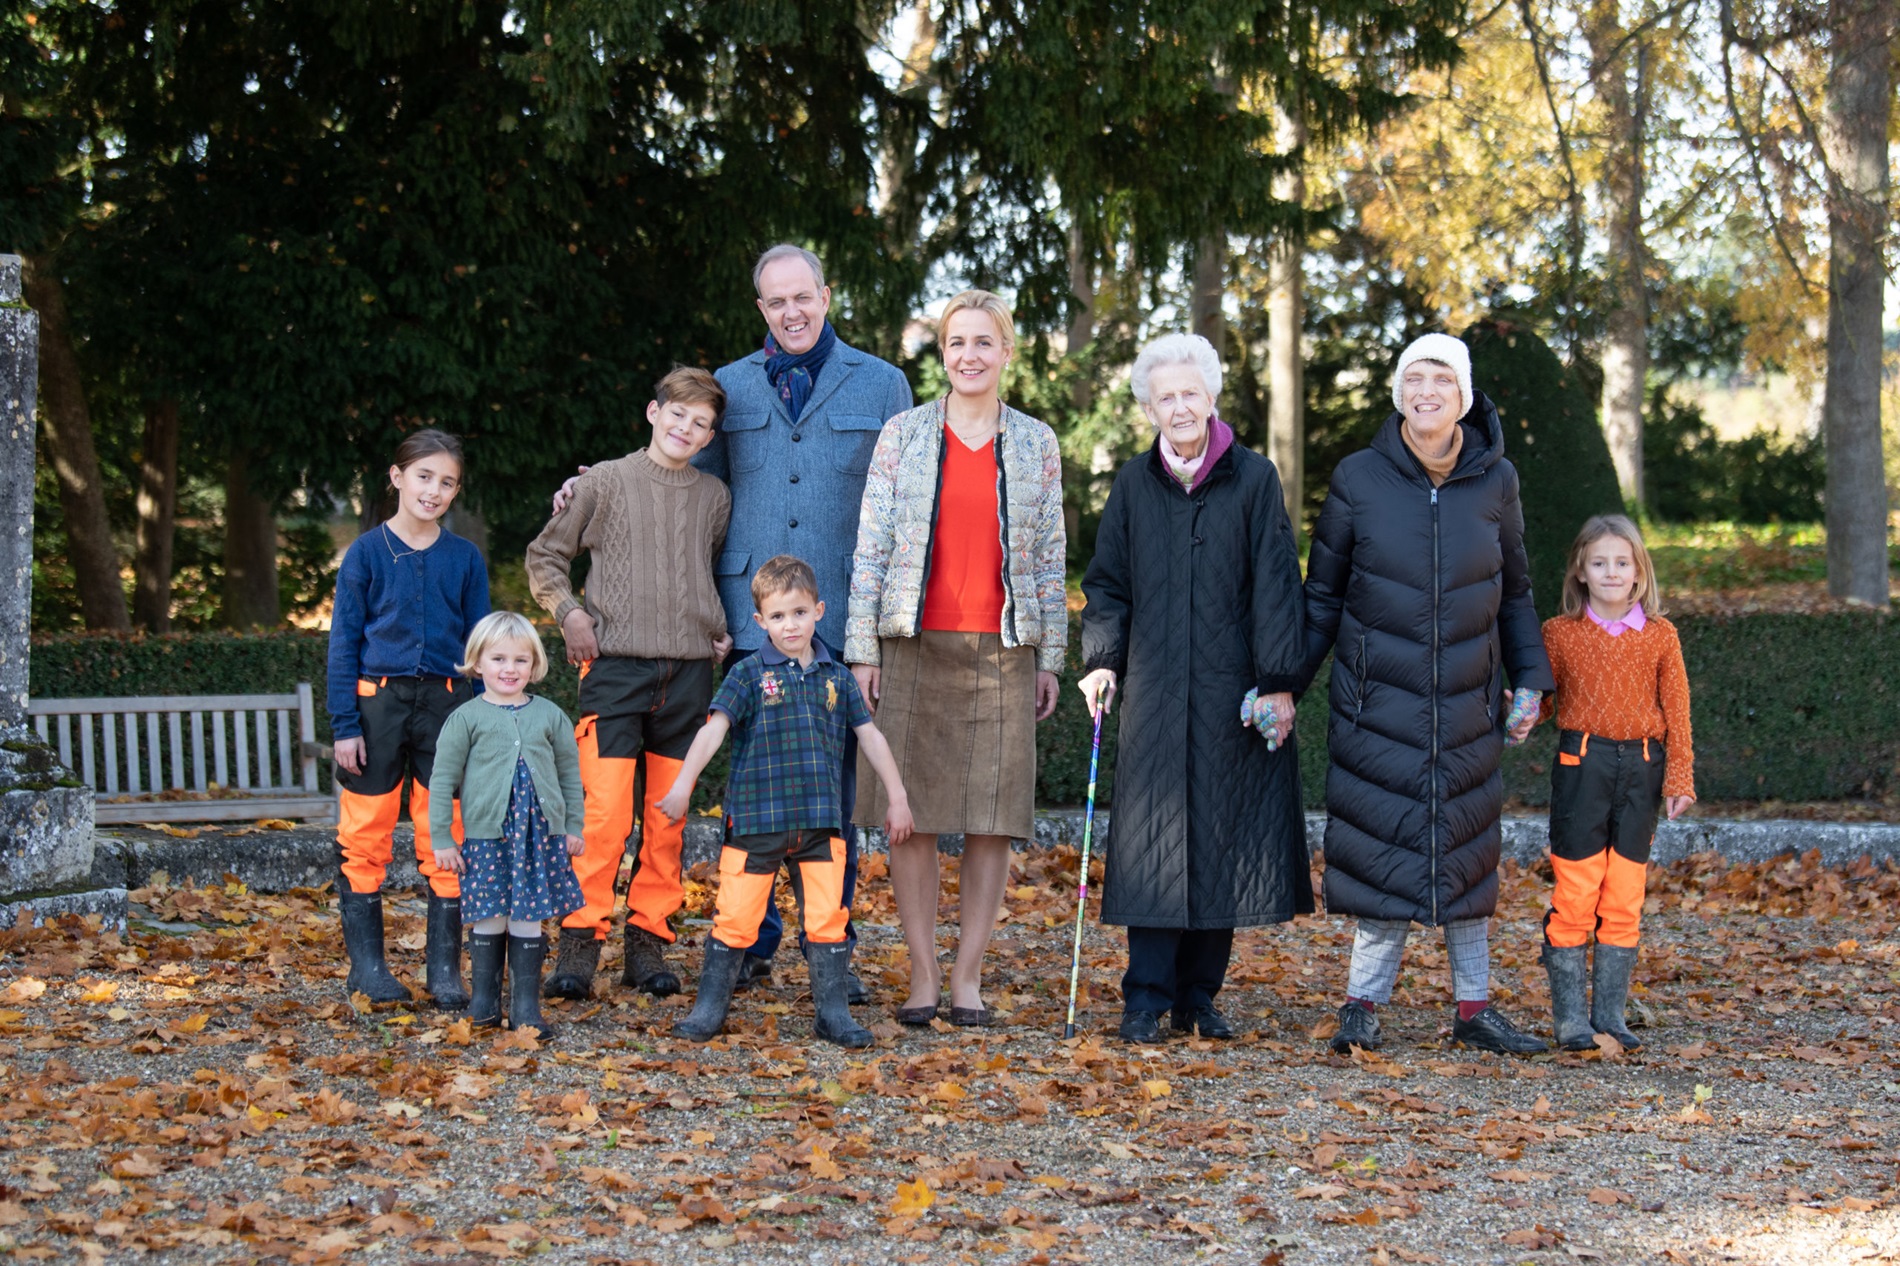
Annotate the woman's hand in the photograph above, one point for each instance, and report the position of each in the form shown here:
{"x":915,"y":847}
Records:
{"x":1677,"y":805}
{"x":348,"y":754}
{"x":449,"y":859}
{"x":1047,"y":691}
{"x":1523,"y":715}
{"x":1098,"y":688}
{"x":576,"y":845}
{"x":867,"y":676}
{"x":1271,"y":715}
{"x":565,"y":493}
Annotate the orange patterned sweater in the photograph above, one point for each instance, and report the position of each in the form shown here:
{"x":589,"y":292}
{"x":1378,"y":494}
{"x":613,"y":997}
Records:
{"x":1626,"y":687}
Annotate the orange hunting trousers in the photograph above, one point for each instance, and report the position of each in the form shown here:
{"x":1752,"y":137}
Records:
{"x":748,"y":867}
{"x":634,"y":712}
{"x":1605,"y":795}
{"x":401,"y":718}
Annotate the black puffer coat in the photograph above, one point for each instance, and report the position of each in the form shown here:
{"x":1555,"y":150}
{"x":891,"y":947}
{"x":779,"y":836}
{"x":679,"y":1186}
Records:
{"x":1193,"y":599}
{"x":1424,"y":596}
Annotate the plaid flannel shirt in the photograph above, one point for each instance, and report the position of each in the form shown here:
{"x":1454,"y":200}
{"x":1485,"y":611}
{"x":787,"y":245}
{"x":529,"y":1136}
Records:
{"x":788,"y":740}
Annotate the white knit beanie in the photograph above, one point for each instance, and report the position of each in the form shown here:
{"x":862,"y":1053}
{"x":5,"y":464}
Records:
{"x":1438,"y":347}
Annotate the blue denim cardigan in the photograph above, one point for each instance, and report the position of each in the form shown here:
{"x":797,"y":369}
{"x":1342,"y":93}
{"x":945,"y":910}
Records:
{"x":796,"y":488}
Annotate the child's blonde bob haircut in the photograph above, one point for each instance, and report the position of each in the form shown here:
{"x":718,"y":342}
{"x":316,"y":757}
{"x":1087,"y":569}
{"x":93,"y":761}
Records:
{"x":502,"y":626}
{"x":1577,"y":593}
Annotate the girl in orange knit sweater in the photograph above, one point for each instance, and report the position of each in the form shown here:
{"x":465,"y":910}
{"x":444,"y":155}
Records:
{"x":1623,"y":752}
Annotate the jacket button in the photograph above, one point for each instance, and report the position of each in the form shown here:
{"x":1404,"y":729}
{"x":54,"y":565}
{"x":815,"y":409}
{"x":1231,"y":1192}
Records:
{"x":796,"y":437}
{"x":794,"y":523}
{"x":1197,"y":540}
{"x":794,"y":478}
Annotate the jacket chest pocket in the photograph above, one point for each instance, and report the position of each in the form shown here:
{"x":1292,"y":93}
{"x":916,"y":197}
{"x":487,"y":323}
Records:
{"x":748,"y":436}
{"x":853,"y":439}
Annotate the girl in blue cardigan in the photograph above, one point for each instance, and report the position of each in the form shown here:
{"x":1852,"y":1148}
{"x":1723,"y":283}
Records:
{"x":513,"y":760}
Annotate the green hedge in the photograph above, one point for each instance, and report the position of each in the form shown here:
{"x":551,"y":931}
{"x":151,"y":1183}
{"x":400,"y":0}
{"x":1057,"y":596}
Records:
{"x":1787,"y":707}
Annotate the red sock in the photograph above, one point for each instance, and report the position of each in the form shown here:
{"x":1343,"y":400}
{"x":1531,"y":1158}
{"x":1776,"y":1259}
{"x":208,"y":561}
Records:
{"x":1469,"y":1010}
{"x":1370,"y":1006}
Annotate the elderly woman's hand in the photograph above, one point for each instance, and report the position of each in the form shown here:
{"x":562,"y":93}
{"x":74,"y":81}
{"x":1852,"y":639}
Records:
{"x":1099,"y":689}
{"x":1048,"y":689}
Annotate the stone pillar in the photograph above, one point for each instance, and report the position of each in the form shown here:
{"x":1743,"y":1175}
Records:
{"x":19,"y":374}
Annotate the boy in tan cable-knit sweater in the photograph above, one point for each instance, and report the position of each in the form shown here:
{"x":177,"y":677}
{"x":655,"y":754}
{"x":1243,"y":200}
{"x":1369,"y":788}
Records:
{"x":646,"y":638}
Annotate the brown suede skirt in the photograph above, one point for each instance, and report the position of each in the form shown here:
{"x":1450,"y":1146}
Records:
{"x":959,"y":711}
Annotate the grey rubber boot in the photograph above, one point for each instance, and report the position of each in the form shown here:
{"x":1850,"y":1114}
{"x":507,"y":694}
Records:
{"x":574,"y":966}
{"x":830,"y":990}
{"x":443,"y":954}
{"x":1569,"y":1012}
{"x":362,"y":914}
{"x":1610,"y":993}
{"x":485,"y":955}
{"x":525,"y":956}
{"x":716,"y":981}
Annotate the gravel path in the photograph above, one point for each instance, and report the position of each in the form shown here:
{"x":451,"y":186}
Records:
{"x":201,"y":1091}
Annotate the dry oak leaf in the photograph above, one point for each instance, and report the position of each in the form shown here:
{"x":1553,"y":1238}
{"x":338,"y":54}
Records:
{"x":1603,"y":1195}
{"x":912,"y":1199}
{"x":1322,"y":1191}
{"x":25,"y":989}
{"x":1534,"y":1237}
{"x":1522,"y":1175}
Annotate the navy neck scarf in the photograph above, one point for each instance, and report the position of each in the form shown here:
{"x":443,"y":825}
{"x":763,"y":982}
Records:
{"x":792,"y":375}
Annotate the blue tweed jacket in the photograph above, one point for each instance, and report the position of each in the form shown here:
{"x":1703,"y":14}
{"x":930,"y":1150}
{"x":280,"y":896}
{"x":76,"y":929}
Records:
{"x":796,"y":488}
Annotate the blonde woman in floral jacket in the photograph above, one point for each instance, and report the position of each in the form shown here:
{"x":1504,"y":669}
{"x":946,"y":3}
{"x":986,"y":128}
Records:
{"x":956,"y":630}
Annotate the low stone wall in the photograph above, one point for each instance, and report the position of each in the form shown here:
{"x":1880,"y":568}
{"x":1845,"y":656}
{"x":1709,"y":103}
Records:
{"x":305,"y":857}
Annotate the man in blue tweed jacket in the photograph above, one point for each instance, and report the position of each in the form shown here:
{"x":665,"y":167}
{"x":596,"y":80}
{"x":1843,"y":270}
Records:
{"x":802,"y":416}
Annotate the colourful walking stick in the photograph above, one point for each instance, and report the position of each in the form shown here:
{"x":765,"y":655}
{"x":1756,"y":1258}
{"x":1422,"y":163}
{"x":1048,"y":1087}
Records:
{"x":1082,"y":892}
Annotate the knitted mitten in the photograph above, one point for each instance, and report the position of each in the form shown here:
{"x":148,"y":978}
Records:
{"x":1524,"y":703}
{"x":1258,"y":713}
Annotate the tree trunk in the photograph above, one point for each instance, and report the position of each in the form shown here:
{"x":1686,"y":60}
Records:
{"x":1620,"y":71}
{"x":157,"y":507}
{"x":66,"y":424}
{"x":1075,"y":478}
{"x":1286,"y":317}
{"x":1210,"y":284}
{"x":1854,"y":133}
{"x":250,"y":553}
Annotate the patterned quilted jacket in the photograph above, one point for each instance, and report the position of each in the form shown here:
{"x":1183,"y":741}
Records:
{"x":898,"y":520}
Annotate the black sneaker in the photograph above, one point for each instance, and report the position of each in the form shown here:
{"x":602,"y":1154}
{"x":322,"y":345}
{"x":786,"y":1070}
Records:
{"x":1208,"y":1020}
{"x":1490,"y":1030}
{"x":1140,"y":1026}
{"x":1357,"y":1027}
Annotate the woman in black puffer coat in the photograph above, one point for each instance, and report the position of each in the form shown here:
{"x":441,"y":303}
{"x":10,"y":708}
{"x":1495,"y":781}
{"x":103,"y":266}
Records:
{"x":1194,"y":600}
{"x":1419,"y":584}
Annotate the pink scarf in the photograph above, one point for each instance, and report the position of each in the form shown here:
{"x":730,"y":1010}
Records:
{"x":1186,"y":470}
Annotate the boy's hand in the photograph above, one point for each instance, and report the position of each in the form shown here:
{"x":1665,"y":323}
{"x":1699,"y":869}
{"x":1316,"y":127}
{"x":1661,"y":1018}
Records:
{"x":1677,"y":805}
{"x":576,"y":845}
{"x":449,"y":859}
{"x":898,"y":825}
{"x":565,"y":493}
{"x":673,"y":803}
{"x":348,"y":754}
{"x":722,"y":646}
{"x":577,"y":630}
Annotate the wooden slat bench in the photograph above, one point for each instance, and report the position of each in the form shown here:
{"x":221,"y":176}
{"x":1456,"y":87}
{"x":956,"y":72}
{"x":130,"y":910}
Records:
{"x":213,"y":745}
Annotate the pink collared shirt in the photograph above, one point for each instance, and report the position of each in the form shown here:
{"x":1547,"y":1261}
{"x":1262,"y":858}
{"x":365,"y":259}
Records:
{"x":1632,"y":619}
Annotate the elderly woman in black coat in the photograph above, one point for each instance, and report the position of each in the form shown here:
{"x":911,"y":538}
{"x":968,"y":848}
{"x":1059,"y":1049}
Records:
{"x":1193,"y":602}
{"x":1419,"y":584}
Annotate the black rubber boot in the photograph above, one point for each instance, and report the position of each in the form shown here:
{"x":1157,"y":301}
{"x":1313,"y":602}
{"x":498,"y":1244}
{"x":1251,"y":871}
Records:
{"x":525,"y":956}
{"x":1569,"y":1012}
{"x":443,"y":955}
{"x":717,"y":979}
{"x":830,"y":966}
{"x":1610,"y":993}
{"x":362,"y":914}
{"x":574,"y":964}
{"x":485,"y":955}
{"x":645,"y":968}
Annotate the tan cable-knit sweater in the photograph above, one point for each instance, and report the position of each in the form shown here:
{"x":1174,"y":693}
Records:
{"x":652,"y":534}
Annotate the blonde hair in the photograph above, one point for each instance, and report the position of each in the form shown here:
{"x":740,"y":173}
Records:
{"x":502,"y":626}
{"x":1577,"y":593}
{"x":981,"y":301}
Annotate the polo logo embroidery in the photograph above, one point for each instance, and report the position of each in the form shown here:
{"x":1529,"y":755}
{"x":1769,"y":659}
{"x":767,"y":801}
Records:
{"x":772,"y":688}
{"x":831,"y":696}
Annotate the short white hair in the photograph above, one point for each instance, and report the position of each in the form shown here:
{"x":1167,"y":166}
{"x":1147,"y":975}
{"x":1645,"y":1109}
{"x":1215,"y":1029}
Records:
{"x":786,"y":250}
{"x":1176,"y":349}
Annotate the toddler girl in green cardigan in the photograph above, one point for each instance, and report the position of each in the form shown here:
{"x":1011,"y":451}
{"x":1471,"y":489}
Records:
{"x":512,"y":760}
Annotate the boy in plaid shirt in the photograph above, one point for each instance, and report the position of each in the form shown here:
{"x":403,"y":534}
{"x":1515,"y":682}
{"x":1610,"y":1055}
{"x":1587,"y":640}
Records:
{"x":790,"y":705}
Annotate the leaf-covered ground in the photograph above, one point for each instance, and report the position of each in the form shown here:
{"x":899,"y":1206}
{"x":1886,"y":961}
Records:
{"x":202,"y":1091}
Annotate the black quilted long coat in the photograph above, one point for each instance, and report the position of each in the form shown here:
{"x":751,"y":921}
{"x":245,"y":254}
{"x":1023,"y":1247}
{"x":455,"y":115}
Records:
{"x":1424,"y":597}
{"x":1193,"y":598}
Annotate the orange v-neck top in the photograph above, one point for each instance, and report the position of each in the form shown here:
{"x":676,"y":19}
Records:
{"x":964,"y":593}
